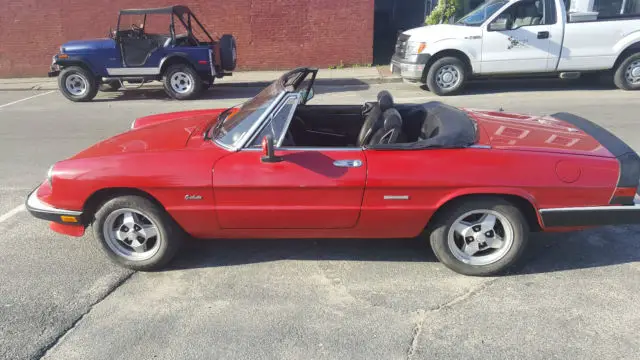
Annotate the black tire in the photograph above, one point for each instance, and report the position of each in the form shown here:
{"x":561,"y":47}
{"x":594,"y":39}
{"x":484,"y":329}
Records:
{"x":169,"y":239}
{"x":442,"y":224}
{"x":454,"y":62}
{"x":109,"y":86}
{"x":228,"y":52}
{"x":620,"y":75}
{"x":192,"y":76}
{"x":84,"y":76}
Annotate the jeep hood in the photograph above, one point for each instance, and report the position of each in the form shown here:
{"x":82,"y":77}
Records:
{"x":163,"y":132}
{"x":434,"y":33}
{"x":81,"y":45}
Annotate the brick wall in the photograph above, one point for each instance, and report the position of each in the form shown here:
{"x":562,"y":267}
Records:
{"x":270,"y":34}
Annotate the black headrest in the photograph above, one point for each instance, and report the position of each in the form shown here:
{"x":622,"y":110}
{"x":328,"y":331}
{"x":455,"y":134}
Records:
{"x":385,"y":100}
{"x":392,"y":119}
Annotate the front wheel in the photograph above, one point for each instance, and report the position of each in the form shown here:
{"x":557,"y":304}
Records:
{"x":480,"y":237}
{"x":77,"y":84}
{"x":627,"y":75}
{"x":136,"y":233}
{"x":446,"y":76}
{"x":182,"y":82}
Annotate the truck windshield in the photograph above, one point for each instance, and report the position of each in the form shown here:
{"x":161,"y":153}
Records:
{"x":480,"y":14}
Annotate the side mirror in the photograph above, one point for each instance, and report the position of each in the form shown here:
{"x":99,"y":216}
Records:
{"x":268,"y":152}
{"x":499,"y":24}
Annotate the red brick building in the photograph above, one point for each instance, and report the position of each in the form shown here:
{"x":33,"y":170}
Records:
{"x":271,"y":34}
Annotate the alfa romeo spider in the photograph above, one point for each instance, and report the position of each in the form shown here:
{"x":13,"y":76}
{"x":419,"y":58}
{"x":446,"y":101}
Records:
{"x":474,"y":183}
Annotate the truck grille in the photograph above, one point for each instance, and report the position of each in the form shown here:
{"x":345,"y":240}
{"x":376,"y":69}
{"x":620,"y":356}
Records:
{"x":401,"y":46}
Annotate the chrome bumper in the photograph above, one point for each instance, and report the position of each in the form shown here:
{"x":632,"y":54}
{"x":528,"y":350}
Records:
{"x":45,"y":211}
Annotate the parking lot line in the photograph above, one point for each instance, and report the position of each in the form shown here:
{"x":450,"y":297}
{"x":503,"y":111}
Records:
{"x":11,"y":213}
{"x":25,"y":99}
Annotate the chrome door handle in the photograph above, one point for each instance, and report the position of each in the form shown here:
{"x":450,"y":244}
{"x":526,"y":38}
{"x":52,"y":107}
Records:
{"x":347,"y":163}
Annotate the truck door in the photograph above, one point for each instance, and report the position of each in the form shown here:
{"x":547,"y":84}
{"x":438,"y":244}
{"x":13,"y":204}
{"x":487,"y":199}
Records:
{"x":524,"y":38}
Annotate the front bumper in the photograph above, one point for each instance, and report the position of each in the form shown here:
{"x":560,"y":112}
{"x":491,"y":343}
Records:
{"x":411,"y":68}
{"x":54,"y":69}
{"x":44,"y":211}
{"x":592,"y":215}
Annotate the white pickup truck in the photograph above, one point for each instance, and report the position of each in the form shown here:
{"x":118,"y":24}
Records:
{"x":525,"y":37}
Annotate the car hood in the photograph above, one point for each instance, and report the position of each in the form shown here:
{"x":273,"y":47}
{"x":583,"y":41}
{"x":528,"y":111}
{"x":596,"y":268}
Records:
{"x":162,"y":132}
{"x":434,"y":33}
{"x":504,"y":130}
{"x":79,"y":45}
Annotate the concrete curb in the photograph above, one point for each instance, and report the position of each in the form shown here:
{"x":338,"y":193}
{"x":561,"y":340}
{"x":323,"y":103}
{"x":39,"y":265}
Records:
{"x":353,"y":81}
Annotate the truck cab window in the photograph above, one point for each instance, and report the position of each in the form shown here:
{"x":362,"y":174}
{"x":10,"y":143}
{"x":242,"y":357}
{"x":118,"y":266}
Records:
{"x":524,"y":13}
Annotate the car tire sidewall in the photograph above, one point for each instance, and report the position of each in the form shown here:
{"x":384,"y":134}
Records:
{"x":168,"y":231}
{"x":619,"y":77}
{"x":92,"y":85}
{"x":195,"y":89}
{"x":433,"y":70}
{"x":439,"y":237}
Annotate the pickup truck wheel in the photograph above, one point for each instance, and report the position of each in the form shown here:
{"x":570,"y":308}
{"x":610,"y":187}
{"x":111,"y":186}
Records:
{"x":480,"y":237}
{"x":136,"y":233}
{"x":77,"y":84}
{"x":182,"y":82}
{"x":627,"y":75}
{"x":446,"y":76}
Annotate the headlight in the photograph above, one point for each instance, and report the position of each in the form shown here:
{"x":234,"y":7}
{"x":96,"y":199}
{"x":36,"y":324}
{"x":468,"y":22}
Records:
{"x":415,"y":48}
{"x":50,"y":174}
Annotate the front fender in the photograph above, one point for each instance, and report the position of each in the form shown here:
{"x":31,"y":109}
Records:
{"x":471,"y":47}
{"x":74,"y":60}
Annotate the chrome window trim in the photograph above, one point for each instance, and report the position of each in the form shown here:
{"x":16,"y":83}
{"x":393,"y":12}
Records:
{"x":272,"y":113}
{"x":243,"y":140}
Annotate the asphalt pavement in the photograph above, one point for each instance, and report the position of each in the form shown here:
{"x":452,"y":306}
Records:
{"x":290,"y":299}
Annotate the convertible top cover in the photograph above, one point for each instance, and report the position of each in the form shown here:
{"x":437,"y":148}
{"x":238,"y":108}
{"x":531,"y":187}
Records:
{"x":444,"y":127}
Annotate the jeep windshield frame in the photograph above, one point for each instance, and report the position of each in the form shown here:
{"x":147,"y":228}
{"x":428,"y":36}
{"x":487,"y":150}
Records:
{"x":234,"y":128}
{"x":178,"y":11}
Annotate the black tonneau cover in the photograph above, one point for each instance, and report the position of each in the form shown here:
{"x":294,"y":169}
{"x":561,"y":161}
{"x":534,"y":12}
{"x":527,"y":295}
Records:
{"x":455,"y":129}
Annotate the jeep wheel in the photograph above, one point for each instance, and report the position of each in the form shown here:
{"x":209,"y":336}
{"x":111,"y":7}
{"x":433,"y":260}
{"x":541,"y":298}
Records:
{"x":627,"y":75}
{"x":228,"y":53}
{"x":109,"y":86}
{"x":446,"y":76}
{"x":77,"y":84}
{"x":182,"y":82}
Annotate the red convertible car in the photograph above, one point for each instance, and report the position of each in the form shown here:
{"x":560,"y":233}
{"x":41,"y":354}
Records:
{"x":475,"y":183}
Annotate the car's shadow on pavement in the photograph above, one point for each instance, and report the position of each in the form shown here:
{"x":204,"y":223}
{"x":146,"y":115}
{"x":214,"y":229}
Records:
{"x":546,"y":253}
{"x":226,"y":91}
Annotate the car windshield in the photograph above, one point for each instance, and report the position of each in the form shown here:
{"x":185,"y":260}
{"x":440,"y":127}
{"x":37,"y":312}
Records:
{"x":480,"y":14}
{"x":233,"y":125}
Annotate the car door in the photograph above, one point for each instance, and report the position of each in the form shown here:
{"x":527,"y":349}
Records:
{"x":309,"y":188}
{"x":524,"y":38}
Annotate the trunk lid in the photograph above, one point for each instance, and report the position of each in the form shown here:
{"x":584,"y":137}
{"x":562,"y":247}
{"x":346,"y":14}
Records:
{"x":503,"y":130}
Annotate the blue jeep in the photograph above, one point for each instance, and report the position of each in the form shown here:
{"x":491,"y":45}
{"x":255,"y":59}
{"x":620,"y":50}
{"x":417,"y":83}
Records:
{"x":186,"y":58}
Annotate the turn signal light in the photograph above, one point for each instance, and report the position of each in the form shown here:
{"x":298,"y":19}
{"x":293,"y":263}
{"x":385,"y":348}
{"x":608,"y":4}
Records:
{"x":68,"y":219}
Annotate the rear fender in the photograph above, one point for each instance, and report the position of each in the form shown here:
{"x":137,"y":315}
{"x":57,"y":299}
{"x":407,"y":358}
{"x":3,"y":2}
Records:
{"x":533,"y":215}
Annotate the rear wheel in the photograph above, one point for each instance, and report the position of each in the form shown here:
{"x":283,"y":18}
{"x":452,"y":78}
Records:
{"x":627,"y":75}
{"x":77,"y":84}
{"x":182,"y":82}
{"x":480,"y":237}
{"x":136,"y":233}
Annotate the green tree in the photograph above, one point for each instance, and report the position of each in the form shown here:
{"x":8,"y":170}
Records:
{"x":444,"y":11}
